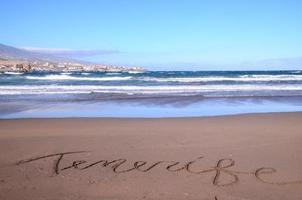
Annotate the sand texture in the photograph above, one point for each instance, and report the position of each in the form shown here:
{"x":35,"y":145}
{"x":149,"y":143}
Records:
{"x":243,"y":157}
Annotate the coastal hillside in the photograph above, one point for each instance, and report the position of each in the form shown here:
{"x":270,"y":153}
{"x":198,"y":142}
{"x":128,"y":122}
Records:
{"x":14,"y":59}
{"x":13,"y":53}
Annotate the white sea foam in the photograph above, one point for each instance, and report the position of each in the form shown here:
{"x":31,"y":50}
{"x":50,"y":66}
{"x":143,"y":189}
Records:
{"x":85,"y":73}
{"x":85,"y":89}
{"x":74,"y":78}
{"x":243,"y":78}
{"x":13,"y":73}
{"x":113,"y":73}
{"x":135,"y":72}
{"x":66,"y":73}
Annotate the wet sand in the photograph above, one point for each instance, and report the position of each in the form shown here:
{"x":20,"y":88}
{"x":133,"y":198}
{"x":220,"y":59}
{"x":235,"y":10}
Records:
{"x":241,"y":157}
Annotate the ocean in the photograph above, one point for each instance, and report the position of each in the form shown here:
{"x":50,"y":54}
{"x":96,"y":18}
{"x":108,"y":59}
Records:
{"x":148,"y":94}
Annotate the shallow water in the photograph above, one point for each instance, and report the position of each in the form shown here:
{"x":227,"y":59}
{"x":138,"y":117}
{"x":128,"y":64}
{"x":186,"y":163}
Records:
{"x":149,"y":108}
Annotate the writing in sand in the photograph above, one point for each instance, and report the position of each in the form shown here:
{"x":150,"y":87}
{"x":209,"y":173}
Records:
{"x":222,"y":171}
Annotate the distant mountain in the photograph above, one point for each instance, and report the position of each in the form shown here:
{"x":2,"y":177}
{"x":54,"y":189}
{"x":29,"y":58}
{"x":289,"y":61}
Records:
{"x":12,"y":53}
{"x":21,"y":60}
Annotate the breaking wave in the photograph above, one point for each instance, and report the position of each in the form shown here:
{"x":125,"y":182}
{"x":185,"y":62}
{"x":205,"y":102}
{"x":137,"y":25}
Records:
{"x":86,"y":89}
{"x":74,"y":78}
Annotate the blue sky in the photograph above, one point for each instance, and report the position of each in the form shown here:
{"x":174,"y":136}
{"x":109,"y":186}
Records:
{"x":162,"y":34}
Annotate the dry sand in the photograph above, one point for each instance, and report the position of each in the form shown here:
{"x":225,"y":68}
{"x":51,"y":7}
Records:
{"x":244,"y":157}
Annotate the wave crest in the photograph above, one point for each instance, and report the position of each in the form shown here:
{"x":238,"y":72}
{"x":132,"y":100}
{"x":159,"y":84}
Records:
{"x":74,"y":78}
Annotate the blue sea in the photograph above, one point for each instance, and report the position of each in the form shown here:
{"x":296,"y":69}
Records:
{"x":148,"y":94}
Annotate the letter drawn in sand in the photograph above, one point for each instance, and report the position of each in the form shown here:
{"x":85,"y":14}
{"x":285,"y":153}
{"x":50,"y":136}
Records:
{"x":59,"y":157}
{"x":266,"y":170}
{"x":219,"y":170}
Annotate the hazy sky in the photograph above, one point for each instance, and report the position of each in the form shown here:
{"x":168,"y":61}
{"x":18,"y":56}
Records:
{"x":161,"y":34}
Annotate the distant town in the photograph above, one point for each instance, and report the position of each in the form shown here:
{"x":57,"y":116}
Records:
{"x":8,"y":65}
{"x":14,"y":59}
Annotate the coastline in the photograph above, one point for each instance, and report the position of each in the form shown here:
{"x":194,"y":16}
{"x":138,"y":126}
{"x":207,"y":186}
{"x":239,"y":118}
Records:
{"x":246,"y":150}
{"x":250,"y":114}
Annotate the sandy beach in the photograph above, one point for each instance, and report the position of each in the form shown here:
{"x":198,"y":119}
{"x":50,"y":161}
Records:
{"x":240,"y":157}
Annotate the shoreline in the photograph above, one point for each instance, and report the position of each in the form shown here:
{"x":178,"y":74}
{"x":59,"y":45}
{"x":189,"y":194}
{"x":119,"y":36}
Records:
{"x":154,"y":118}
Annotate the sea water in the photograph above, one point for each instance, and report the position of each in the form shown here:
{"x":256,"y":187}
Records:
{"x":148,"y":94}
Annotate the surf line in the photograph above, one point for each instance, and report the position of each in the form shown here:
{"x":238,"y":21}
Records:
{"x":223,"y":175}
